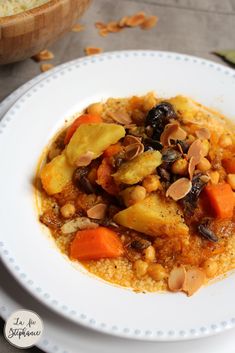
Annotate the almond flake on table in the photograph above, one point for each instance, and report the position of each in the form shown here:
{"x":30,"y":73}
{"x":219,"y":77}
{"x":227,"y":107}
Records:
{"x":149,"y":23}
{"x":43,"y":55}
{"x":46,"y":67}
{"x":136,"y":20}
{"x":92,"y":50}
{"x":78,"y":28}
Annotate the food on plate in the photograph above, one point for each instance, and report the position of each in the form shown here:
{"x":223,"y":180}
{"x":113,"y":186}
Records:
{"x":141,"y":191}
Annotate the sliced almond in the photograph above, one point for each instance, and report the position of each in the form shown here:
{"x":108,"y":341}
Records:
{"x":92,"y":50}
{"x":103,"y":32}
{"x":78,"y":28}
{"x":123,"y":21}
{"x":46,"y":67}
{"x":121,"y":117}
{"x":194,"y":279}
{"x":149,"y":22}
{"x":113,"y":27}
{"x":100,"y":25}
{"x":172,"y":132}
{"x":136,"y":20}
{"x":179,"y":189}
{"x":176,"y":279}
{"x":195,"y":151}
{"x":191,"y":167}
{"x":85,"y":159}
{"x":43,"y":55}
{"x":133,"y":150}
{"x":129,"y":126}
{"x":130,"y":139}
{"x":98,"y":211}
{"x":203,"y":133}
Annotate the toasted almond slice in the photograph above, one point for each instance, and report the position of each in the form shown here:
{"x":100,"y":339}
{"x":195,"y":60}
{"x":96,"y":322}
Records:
{"x":78,"y":28}
{"x":98,"y":211}
{"x":92,"y":50}
{"x":172,"y":132}
{"x":113,"y":27}
{"x":43,"y":55}
{"x":203,"y":133}
{"x":46,"y":67}
{"x":195,"y":151}
{"x":85,"y":159}
{"x":130,"y":126}
{"x":149,"y":22}
{"x":120,"y":117}
{"x":194,"y":279}
{"x":123,"y":21}
{"x":136,"y":20}
{"x":130,"y":139}
{"x":191,"y":167}
{"x":103,"y":32}
{"x":100,"y":25}
{"x":176,"y":279}
{"x":179,"y":189}
{"x":133,"y":150}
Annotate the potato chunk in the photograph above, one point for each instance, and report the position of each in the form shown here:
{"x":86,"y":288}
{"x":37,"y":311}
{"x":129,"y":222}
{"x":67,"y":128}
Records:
{"x":93,"y":138}
{"x":137,"y":169}
{"x":56,"y":174}
{"x":154,"y":216}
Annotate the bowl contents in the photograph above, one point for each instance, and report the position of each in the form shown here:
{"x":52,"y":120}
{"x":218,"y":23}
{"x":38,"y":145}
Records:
{"x":13,"y":7}
{"x":140,"y":190}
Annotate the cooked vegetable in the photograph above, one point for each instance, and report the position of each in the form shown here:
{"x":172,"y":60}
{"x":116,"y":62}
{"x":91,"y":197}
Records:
{"x":56,"y":174}
{"x":82,"y":119}
{"x":105,"y":179}
{"x":221,"y":200}
{"x":113,"y":149}
{"x":94,"y":244}
{"x":229,"y":165}
{"x":95,"y":138}
{"x":137,"y":169}
{"x":149,"y":217}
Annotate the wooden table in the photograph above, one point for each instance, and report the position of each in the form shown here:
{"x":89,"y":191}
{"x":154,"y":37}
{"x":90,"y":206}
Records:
{"x":186,"y":26}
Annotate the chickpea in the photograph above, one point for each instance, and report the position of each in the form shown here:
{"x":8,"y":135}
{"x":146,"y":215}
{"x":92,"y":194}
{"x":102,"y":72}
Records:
{"x":204,"y":165}
{"x":67,"y":210}
{"x":151,"y":183}
{"x":150,"y":253}
{"x":180,"y":167}
{"x":225,"y":141}
{"x":138,"y":194}
{"x":95,"y":108}
{"x":205,"y":147}
{"x":214,"y":177}
{"x":231,"y":180}
{"x":140,"y":267}
{"x":157,"y":272}
{"x":210,"y":267}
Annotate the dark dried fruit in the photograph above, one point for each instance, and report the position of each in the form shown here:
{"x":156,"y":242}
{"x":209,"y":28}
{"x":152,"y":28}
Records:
{"x":81,"y":181}
{"x":140,"y":244}
{"x":152,"y":145}
{"x":50,"y":219}
{"x":158,"y":117}
{"x":206,"y":232}
{"x":190,"y":201}
{"x":164,"y":174}
{"x":183,"y":144}
{"x":169,"y":155}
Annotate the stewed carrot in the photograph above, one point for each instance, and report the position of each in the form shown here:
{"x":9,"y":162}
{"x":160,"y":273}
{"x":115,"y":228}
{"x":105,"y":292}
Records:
{"x":221,"y":199}
{"x":229,"y":165}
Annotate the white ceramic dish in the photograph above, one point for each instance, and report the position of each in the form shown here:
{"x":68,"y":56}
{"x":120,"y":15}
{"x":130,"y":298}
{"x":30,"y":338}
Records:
{"x":25,"y":248}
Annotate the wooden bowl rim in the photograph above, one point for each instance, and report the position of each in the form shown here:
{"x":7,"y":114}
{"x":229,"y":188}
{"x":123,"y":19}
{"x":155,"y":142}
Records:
{"x":25,"y":15}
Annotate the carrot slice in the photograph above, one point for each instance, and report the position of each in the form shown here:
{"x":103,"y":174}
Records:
{"x":229,"y":165}
{"x":83,"y":119}
{"x":95,"y":244}
{"x":105,"y":179}
{"x":113,"y":149}
{"x":221,"y":199}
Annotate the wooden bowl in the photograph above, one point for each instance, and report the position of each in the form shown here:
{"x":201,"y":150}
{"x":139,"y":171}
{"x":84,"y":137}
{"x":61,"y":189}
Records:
{"x":29,"y":32}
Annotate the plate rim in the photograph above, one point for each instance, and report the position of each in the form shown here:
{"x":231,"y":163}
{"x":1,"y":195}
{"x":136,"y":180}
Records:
{"x":28,"y":284}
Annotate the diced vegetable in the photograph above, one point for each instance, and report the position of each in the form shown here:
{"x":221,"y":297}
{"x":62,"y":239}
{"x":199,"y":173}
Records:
{"x":95,"y":244}
{"x":94,"y":138}
{"x":221,"y":199}
{"x":113,"y":149}
{"x":229,"y":165}
{"x":105,"y":179}
{"x":137,"y":169}
{"x":154,"y":216}
{"x":82,"y":119}
{"x":56,"y":174}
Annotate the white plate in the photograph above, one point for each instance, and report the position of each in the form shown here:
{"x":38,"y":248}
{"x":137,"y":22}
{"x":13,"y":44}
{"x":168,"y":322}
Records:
{"x":25,"y":248}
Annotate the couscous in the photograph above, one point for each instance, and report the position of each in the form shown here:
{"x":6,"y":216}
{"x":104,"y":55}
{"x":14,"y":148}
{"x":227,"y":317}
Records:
{"x":13,"y":7}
